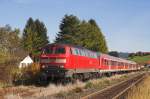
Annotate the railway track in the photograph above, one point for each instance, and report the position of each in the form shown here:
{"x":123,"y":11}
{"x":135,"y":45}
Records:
{"x":116,"y":91}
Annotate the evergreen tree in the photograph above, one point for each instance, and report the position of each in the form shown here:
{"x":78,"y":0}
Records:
{"x":34,"y":35}
{"x":42,"y":33}
{"x":101,"y":42}
{"x":68,"y":28}
{"x":86,"y":34}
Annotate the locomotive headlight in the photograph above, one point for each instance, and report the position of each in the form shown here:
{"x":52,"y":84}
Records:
{"x":61,"y":66}
{"x":60,"y":60}
{"x":43,"y":66}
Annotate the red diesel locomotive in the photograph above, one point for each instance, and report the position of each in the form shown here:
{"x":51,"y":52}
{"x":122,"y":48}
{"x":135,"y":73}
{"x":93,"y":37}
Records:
{"x":67,"y":61}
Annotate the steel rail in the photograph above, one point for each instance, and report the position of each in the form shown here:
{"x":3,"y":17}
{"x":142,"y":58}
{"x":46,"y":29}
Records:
{"x":90,"y":96}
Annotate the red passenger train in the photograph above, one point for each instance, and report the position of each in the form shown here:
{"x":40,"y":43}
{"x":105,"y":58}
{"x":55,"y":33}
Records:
{"x":67,"y":61}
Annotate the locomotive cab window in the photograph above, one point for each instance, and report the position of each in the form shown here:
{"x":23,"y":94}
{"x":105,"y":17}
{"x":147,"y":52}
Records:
{"x":60,"y":50}
{"x":48,"y":50}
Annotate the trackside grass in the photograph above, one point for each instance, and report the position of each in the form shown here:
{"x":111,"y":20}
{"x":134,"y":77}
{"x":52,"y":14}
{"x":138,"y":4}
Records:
{"x":75,"y":90}
{"x":83,"y":88}
{"x":141,"y":91}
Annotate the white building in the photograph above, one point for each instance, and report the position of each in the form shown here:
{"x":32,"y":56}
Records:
{"x":26,"y":62}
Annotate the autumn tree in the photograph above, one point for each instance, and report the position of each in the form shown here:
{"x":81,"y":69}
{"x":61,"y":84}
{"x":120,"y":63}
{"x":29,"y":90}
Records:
{"x":10,"y":44}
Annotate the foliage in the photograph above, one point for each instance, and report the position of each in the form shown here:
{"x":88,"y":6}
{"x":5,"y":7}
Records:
{"x":114,"y":53}
{"x":68,"y":27}
{"x":34,"y":35}
{"x":11,"y":51}
{"x":89,"y":85}
{"x":82,"y":33}
{"x":140,"y":59}
{"x":25,"y":75}
{"x":10,"y":42}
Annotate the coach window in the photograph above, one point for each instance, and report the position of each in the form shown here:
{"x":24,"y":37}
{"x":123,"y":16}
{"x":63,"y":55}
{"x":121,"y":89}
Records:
{"x":112,"y":63}
{"x":119,"y":64}
{"x":115,"y":63}
{"x":122,"y":64}
{"x":102,"y":61}
{"x":105,"y":62}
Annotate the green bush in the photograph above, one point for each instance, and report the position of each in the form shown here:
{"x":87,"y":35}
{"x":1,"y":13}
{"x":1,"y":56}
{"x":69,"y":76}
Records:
{"x":89,"y":85}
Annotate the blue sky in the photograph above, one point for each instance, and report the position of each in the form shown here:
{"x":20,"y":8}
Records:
{"x":125,"y":23}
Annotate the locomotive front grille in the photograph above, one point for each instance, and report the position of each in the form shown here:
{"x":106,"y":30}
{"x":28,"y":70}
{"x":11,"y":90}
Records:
{"x":53,"y":60}
{"x":47,"y":60}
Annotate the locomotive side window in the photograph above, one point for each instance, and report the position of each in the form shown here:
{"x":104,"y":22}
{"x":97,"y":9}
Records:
{"x":77,"y":51}
{"x":74,"y":51}
{"x":60,"y":50}
{"x":82,"y":52}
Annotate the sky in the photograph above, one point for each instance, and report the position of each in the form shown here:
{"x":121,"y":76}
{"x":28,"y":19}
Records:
{"x":124,"y":23}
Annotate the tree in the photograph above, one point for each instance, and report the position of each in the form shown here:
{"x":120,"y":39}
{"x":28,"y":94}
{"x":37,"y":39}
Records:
{"x":34,"y":35}
{"x":82,"y":33}
{"x":68,"y":27}
{"x":114,"y":53}
{"x":41,"y":32}
{"x":10,"y":42}
{"x":100,"y":42}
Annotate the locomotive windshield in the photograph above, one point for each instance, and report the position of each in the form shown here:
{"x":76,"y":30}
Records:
{"x":48,"y":50}
{"x":60,"y":50}
{"x":54,"y":50}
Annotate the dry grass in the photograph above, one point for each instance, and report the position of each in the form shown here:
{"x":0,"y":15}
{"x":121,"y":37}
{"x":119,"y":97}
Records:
{"x":64,"y":90}
{"x":141,"y":91}
{"x":100,"y":83}
{"x":12,"y":96}
{"x":59,"y":89}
